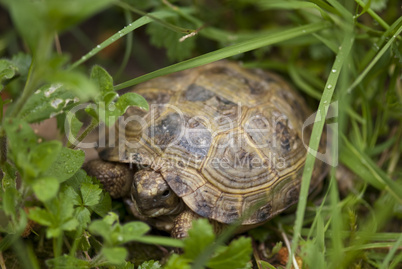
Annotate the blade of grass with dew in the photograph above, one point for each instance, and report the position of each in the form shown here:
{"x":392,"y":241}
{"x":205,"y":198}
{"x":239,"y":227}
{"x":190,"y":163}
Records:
{"x":301,"y":84}
{"x":367,"y":170}
{"x":376,"y":58}
{"x":127,"y":29}
{"x":343,"y":53}
{"x":375,"y":47}
{"x":223,"y":53}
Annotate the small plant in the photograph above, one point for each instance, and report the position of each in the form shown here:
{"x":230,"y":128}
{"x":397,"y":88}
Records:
{"x":347,"y":52}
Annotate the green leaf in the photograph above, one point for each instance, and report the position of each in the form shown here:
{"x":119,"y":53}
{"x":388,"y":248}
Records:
{"x":177,"y":262}
{"x":200,"y":236}
{"x":26,"y":13}
{"x":266,"y":265}
{"x":43,"y":155}
{"x":45,"y":188}
{"x":150,"y":265}
{"x":66,"y":261}
{"x":66,"y":164}
{"x":79,"y":178}
{"x":40,"y":216}
{"x":109,"y":106}
{"x":74,"y":126}
{"x":72,"y":195}
{"x":57,"y":215}
{"x":90,"y":194}
{"x":83,"y":215}
{"x":102,"y":228}
{"x":21,"y":140}
{"x":22,"y":61}
{"x":115,"y":255}
{"x":75,"y":82}
{"x":104,"y":82}
{"x":7,"y":71}
{"x":20,"y":136}
{"x":38,"y":20}
{"x":69,"y":225}
{"x":170,"y":40}
{"x":10,"y":200}
{"x":82,"y":187}
{"x":236,"y":255}
{"x":48,"y":101}
{"x":133,"y":230}
{"x":131,"y":99}
{"x":104,"y":205}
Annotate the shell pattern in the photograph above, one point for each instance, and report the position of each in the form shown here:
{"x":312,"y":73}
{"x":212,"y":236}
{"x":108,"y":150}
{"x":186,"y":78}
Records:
{"x":228,"y":140}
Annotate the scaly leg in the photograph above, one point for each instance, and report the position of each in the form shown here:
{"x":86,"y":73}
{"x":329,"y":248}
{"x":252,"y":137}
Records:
{"x":183,"y":223}
{"x":116,"y":178}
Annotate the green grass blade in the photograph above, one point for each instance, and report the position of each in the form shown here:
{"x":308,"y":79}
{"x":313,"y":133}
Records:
{"x":292,"y":4}
{"x":316,"y":133}
{"x":336,"y":222}
{"x":128,"y":47}
{"x":223,"y":53}
{"x":129,"y":28}
{"x":301,"y":83}
{"x":365,"y":167}
{"x":376,"y":58}
{"x":373,"y":15}
{"x":391,"y":253}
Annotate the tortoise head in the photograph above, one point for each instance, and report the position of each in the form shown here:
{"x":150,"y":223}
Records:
{"x":153,"y":195}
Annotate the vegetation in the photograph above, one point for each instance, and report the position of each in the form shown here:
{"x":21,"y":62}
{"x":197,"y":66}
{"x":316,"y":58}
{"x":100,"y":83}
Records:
{"x":344,"y":52}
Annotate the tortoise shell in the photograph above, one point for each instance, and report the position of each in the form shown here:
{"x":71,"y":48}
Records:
{"x":227,"y":140}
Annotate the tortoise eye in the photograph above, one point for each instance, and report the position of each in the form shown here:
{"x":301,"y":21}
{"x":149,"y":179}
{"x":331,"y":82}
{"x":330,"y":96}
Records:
{"x":166,"y":193}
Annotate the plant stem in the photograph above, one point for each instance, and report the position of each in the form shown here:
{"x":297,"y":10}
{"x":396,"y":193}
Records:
{"x":57,"y":245}
{"x":98,"y":260}
{"x":3,"y":147}
{"x":26,"y":93}
{"x":89,"y":129}
{"x":373,"y":15}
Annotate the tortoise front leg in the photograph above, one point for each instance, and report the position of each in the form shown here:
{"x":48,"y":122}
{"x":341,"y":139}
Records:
{"x":116,"y":178}
{"x":183,"y":223}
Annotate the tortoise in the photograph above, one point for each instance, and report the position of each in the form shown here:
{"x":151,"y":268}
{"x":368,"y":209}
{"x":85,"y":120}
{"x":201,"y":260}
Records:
{"x":219,"y":141}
